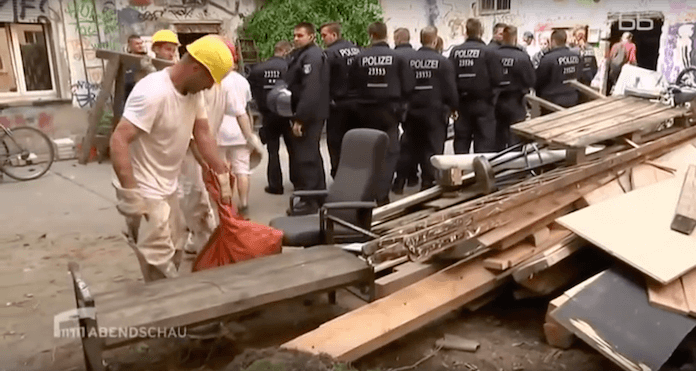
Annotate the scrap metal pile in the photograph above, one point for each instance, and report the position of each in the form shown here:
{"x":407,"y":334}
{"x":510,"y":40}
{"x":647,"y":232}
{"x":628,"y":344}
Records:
{"x":537,"y":215}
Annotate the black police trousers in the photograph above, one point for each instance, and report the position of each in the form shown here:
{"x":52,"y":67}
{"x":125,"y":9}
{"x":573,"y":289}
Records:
{"x":337,"y":125}
{"x":509,"y":109}
{"x":564,"y":100}
{"x":273,"y":128}
{"x":384,"y":117}
{"x":426,"y":131}
{"x":306,"y":159}
{"x":476,"y":122}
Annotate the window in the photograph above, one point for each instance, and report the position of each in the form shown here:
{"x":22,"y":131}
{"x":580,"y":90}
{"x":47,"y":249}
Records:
{"x":26,"y":68}
{"x":494,"y":6}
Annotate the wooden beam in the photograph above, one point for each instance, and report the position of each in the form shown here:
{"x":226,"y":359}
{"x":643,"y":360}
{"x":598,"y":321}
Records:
{"x":685,"y":217}
{"x":404,"y":275}
{"x":379,"y":323}
{"x":131,"y":59}
{"x":96,"y":112}
{"x":586,"y":90}
{"x":544,"y":103}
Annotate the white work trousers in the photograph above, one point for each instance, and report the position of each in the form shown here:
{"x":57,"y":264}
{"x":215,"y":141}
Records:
{"x":157,"y":238}
{"x":198,"y":215}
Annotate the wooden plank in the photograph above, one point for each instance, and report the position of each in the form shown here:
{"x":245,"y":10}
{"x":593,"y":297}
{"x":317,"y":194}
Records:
{"x":379,"y":323}
{"x":130,"y":59}
{"x":405,"y":275}
{"x":540,"y":236}
{"x":563,"y":273}
{"x":632,"y":225}
{"x":458,"y":216}
{"x":668,"y":297}
{"x":509,"y":258}
{"x":580,"y":110}
{"x":590,"y":125}
{"x":689,"y":283}
{"x":586,"y":90}
{"x":684,"y":220}
{"x":385,"y":227}
{"x":214,"y":293}
{"x":644,"y":175}
{"x":544,"y":103}
{"x":568,"y":121}
{"x":552,"y":256}
{"x":627,"y":123}
{"x":96,"y":112}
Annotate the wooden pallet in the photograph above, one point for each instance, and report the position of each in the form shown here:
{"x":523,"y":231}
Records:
{"x":597,"y":121}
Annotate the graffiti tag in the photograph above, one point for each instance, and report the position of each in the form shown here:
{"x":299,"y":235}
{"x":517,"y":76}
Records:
{"x":21,"y":8}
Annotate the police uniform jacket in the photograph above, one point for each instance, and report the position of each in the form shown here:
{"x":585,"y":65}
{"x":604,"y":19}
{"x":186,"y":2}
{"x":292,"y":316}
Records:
{"x":434,"y":76}
{"x":557,"y":66}
{"x":264,"y":76}
{"x":380,"y":74}
{"x":588,"y":64}
{"x":477,"y":68}
{"x":308,"y":80}
{"x":518,"y":71}
{"x":340,"y":56}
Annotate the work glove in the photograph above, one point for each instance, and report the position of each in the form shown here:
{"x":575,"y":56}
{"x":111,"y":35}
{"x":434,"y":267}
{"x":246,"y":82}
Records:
{"x":131,"y":203}
{"x":256,"y":147}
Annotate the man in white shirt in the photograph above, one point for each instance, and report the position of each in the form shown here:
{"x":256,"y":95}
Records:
{"x":149,"y":144}
{"x":234,"y":129}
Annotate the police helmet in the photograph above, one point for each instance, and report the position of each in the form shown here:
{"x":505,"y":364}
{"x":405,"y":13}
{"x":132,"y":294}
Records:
{"x":279,"y":100}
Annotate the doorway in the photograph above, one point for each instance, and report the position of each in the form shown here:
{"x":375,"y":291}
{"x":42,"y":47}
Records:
{"x":646,"y":29}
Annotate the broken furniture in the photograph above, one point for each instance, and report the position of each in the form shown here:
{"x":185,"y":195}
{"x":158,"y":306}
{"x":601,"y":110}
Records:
{"x":349,"y":200}
{"x":210,"y":295}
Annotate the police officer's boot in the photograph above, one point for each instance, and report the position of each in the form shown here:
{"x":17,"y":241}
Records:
{"x":398,"y":185}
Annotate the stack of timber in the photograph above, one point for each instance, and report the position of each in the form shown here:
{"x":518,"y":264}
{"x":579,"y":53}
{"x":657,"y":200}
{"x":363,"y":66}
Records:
{"x":442,"y":258}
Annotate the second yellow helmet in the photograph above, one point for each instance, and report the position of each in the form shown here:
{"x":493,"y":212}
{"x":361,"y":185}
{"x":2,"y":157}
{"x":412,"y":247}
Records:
{"x":165,"y":36}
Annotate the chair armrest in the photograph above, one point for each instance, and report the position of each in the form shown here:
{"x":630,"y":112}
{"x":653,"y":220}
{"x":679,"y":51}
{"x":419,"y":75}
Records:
{"x":350,"y":205}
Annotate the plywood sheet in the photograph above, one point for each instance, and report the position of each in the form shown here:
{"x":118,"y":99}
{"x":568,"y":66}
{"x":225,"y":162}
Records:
{"x":668,"y":297}
{"x":611,"y":313}
{"x":635,"y":227}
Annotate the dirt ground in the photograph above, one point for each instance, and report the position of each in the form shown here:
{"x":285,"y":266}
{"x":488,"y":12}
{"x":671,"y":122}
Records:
{"x":69,"y":215}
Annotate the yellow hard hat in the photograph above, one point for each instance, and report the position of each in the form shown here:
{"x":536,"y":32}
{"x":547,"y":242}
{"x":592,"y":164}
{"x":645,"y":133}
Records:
{"x":165,"y":36}
{"x":213,"y":53}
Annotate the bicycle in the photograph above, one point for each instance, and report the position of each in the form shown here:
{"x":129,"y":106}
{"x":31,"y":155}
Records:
{"x":26,"y":153}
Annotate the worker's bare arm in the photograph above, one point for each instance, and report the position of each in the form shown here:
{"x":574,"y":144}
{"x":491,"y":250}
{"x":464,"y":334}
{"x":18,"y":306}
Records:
{"x":123,"y":135}
{"x":207,"y":147}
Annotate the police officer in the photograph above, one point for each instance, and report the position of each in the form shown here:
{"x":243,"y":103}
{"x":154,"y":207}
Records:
{"x":497,"y":40}
{"x":339,"y":55}
{"x":556,"y":67}
{"x":262,"y":78}
{"x":308,"y":80}
{"x":435,"y":88}
{"x":478,"y":74}
{"x":382,"y":80}
{"x":518,"y":78}
{"x":588,"y":60}
{"x":407,"y":164}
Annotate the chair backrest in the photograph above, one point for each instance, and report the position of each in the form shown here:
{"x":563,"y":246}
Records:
{"x":363,"y":152}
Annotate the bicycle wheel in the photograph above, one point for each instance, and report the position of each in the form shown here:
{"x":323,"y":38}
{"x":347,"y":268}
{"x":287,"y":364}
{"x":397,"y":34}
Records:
{"x":26,"y":153}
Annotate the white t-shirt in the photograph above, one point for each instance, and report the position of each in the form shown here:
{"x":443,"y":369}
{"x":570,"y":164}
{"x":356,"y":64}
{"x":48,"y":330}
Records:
{"x":238,"y":92}
{"x":215,"y":106}
{"x":166,"y":118}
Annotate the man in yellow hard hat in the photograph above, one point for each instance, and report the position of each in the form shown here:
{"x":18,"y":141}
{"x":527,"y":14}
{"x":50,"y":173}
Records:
{"x":163,"y":112}
{"x":165,"y":44}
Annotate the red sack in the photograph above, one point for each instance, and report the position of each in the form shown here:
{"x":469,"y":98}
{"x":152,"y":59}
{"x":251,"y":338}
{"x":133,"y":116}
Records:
{"x":235,"y":239}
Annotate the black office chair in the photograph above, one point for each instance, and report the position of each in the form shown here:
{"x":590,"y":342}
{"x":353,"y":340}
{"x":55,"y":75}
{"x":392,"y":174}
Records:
{"x":345,"y":214}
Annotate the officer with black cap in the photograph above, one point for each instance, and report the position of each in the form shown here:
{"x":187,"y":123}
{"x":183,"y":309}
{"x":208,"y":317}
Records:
{"x":339,"y":54}
{"x":382,"y":80}
{"x":308,"y":81}
{"x":262,"y":78}
{"x":588,"y":60}
{"x":556,"y":67}
{"x":435,"y":89}
{"x":518,"y":78}
{"x":407,"y":165}
{"x":478,"y":75}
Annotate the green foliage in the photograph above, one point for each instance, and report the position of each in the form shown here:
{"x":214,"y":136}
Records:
{"x":275,"y":20}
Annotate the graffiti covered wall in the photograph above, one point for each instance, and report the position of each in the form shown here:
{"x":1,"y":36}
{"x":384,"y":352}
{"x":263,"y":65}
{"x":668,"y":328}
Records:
{"x":106,"y":24}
